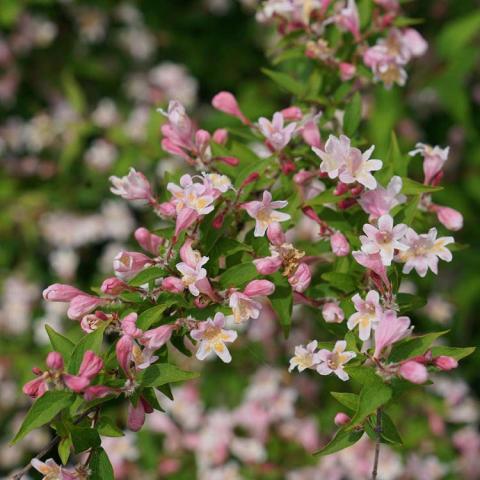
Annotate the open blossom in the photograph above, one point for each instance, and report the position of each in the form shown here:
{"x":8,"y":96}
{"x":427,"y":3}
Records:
{"x":133,"y":186}
{"x":193,"y":195}
{"x":192,"y":274}
{"x":332,"y":312}
{"x":423,"y":251}
{"x":368,"y":314}
{"x":276,"y":134}
{"x":305,"y":357}
{"x":212,"y":338}
{"x":390,"y":329}
{"x":433,"y":159}
{"x":384,"y":239}
{"x":219,"y":182}
{"x":374,"y":263}
{"x":51,"y":471}
{"x":380,"y":201}
{"x":265,"y":214}
{"x":334,"y":155}
{"x":333,"y":362}
{"x":349,"y":19}
{"x":244,"y":306}
{"x":127,"y":264}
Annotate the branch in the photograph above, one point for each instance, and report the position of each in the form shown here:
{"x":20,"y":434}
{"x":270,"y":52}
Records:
{"x":378,"y":431}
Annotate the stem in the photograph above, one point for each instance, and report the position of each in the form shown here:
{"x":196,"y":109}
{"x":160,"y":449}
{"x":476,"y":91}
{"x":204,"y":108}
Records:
{"x":378,"y":431}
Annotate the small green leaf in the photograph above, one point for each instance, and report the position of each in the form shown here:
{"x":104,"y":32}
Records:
{"x":84,"y":438}
{"x":409,"y":303}
{"x":150,"y":316}
{"x":349,"y":400}
{"x":100,"y":466}
{"x":43,"y":411}
{"x":325,"y":197}
{"x":147,"y":275}
{"x":60,"y":343}
{"x":64,"y":448}
{"x":411,"y":187}
{"x":163,"y":373}
{"x":389,"y":430}
{"x":342,"y":439}
{"x":353,"y":115}
{"x":341,"y":281}
{"x":282,"y":302}
{"x":106,"y":427}
{"x":238,"y":275}
{"x":413,"y":347}
{"x":92,"y":341}
{"x":285,"y":81}
{"x":456,"y":352}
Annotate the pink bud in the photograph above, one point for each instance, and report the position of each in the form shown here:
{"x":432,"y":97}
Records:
{"x":218,"y":221}
{"x":129,"y":326}
{"x":275,"y":234}
{"x":339,"y":244}
{"x":127,"y":264}
{"x":232,"y":161}
{"x":253,"y":177}
{"x":173,"y":284}
{"x":75,"y":382}
{"x":413,"y":372}
{"x":288,"y":167}
{"x":148,"y":241}
{"x":35,"y":388}
{"x":259,"y":288}
{"x":311,"y":134}
{"x":60,"y":293}
{"x":202,"y":140}
{"x":332,"y":313}
{"x":450,"y":218}
{"x":267,"y":265}
{"x":220,"y":136}
{"x":55,"y":361}
{"x":185,"y":218}
{"x":157,"y":337}
{"x":341,"y":419}
{"x":347,"y":71}
{"x":310,"y":213}
{"x":97,"y":391}
{"x":123,"y":350}
{"x":302,"y":176}
{"x":83,"y":304}
{"x":301,"y":279}
{"x":136,"y":415}
{"x":292,"y":113}
{"x":227,"y":103}
{"x":444,"y":362}
{"x":113,"y":286}
{"x":166,"y":209}
{"x":91,"y":365}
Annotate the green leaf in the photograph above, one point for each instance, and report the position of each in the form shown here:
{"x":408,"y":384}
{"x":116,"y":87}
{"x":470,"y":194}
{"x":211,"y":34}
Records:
{"x":282,"y":302}
{"x":353,"y":115}
{"x":343,"y":439}
{"x":389,"y":430}
{"x":341,"y":281}
{"x":285,"y":81}
{"x":349,"y":400}
{"x":408,"y":302}
{"x":238,"y":275}
{"x":413,"y":347}
{"x":43,"y":411}
{"x":64,"y":448}
{"x":458,"y":34}
{"x":163,"y":373}
{"x":411,"y":187}
{"x":84,"y":438}
{"x":373,"y":395}
{"x":456,"y":352}
{"x":395,"y":158}
{"x":100,"y":466}
{"x":147,"y":275}
{"x":60,"y":343}
{"x":106,"y":427}
{"x":92,"y":341}
{"x":325,"y":197}
{"x":147,"y":318}
{"x":73,"y":92}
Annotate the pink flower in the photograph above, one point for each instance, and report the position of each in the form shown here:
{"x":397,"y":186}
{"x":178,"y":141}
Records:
{"x":173,"y":284}
{"x":244,"y":307}
{"x":133,"y":186}
{"x":158,"y":337}
{"x":61,"y":293}
{"x":54,"y":361}
{"x":413,"y":372}
{"x":51,"y":471}
{"x":97,"y":391}
{"x":275,"y":234}
{"x":220,"y":136}
{"x":390,"y":329}
{"x":124,"y":349}
{"x":276,"y":134}
{"x":227,"y":103}
{"x":334,"y":361}
{"x":83,"y":304}
{"x":268,"y":265}
{"x":423,"y":251}
{"x":334,"y":155}
{"x":113,"y":286}
{"x":385,"y":239}
{"x":136,"y":414}
{"x":369,"y":312}
{"x":433,"y":159}
{"x":305,"y":357}
{"x":332,"y":313}
{"x":265,"y":214}
{"x":349,"y":19}
{"x":90,"y":366}
{"x":35,"y":388}
{"x":414,"y":42}
{"x":127,"y":264}
{"x":192,"y":274}
{"x":380,"y":201}
{"x":347,"y":71}
{"x":448,"y":217}
{"x":374,"y":263}
{"x":129,"y":326}
{"x":301,"y":279}
{"x":311,"y":133}
{"x":444,"y":362}
{"x":341,"y":419}
{"x":148,"y":241}
{"x":339,"y":244}
{"x":257,"y":288}
{"x":292,"y":113}
{"x":212,"y":338}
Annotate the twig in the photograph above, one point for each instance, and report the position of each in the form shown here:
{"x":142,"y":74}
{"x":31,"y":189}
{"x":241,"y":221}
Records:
{"x":378,"y":431}
{"x":52,"y":444}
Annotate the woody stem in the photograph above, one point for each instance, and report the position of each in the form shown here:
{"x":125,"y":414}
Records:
{"x":378,"y":431}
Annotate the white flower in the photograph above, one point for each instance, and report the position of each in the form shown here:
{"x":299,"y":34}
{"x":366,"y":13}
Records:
{"x":196,"y":196}
{"x":423,"y":251}
{"x":335,"y":154}
{"x":220,"y":182}
{"x":368,"y":314}
{"x":192,"y":274}
{"x":244,"y":307}
{"x":358,"y":166}
{"x":384,"y":239}
{"x":380,"y":201}
{"x":335,"y":360}
{"x":305,"y":357}
{"x":277,"y":135}
{"x":212,"y":338}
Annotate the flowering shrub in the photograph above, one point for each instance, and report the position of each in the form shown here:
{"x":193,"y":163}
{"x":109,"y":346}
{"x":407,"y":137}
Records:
{"x":227,"y":249}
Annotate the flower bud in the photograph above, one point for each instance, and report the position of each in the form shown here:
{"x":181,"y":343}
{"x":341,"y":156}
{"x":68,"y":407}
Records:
{"x":202,"y":140}
{"x":90,"y":366}
{"x":311,"y":134}
{"x":82,"y":305}
{"x":449,"y":217}
{"x":253,"y":177}
{"x":75,"y":382}
{"x":267,"y":265}
{"x":288,"y":167}
{"x":413,"y":372}
{"x":123,"y":350}
{"x":339,"y":244}
{"x":158,"y":337}
{"x":127,"y":264}
{"x":55,"y":361}
{"x":60,"y":293}
{"x":113,"y":286}
{"x":341,"y":419}
{"x":220,"y":136}
{"x":227,"y":103}
{"x":166,"y":209}
{"x":133,"y":186}
{"x":301,"y":279}
{"x":292,"y":113}
{"x":218,"y":221}
{"x":444,"y":362}
{"x":347,"y":71}
{"x":258,"y":288}
{"x":35,"y":388}
{"x":332,"y":313}
{"x":302,"y":176}
{"x":232,"y":161}
{"x":275,"y":234}
{"x":97,"y":391}
{"x":148,"y":241}
{"x":173,"y":284}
